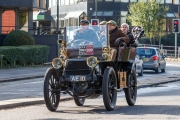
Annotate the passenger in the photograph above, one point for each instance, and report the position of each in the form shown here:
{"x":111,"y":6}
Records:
{"x":117,"y":37}
{"x":125,"y":29}
{"x":85,"y":32}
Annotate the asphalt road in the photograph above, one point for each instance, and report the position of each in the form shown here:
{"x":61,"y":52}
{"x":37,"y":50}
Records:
{"x":160,"y":102}
{"x":34,"y":88}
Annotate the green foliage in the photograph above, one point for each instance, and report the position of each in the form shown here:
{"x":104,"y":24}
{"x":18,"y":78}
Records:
{"x":148,"y":13}
{"x":18,"y":38}
{"x":24,"y":55}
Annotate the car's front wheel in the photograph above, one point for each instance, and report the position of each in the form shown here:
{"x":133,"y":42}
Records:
{"x":109,"y":84}
{"x":51,"y":90}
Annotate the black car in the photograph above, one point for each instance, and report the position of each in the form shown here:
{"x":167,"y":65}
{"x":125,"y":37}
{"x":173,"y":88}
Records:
{"x":84,"y":71}
{"x":153,"y":58}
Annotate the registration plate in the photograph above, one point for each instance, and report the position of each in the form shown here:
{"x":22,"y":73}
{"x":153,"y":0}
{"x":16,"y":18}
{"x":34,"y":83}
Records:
{"x":77,"y":78}
{"x":145,"y":59}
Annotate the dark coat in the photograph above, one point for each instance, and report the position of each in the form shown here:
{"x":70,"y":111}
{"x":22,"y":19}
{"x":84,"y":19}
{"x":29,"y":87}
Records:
{"x":115,"y":34}
{"x":131,"y":38}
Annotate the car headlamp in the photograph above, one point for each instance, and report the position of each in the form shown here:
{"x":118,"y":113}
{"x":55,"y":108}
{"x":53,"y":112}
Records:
{"x":105,"y":56}
{"x":63,"y":57}
{"x":57,"y":63}
{"x":92,"y":61}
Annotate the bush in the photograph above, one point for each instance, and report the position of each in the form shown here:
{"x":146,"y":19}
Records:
{"x":18,"y":38}
{"x":25,"y":55}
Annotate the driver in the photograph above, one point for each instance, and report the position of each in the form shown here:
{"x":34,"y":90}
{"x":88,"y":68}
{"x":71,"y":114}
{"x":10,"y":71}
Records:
{"x":85,"y":32}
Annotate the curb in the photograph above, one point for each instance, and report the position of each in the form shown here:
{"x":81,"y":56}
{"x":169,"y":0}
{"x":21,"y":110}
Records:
{"x":172,"y":59}
{"x":23,"y":78}
{"x":26,"y":102}
{"x":156,"y":84}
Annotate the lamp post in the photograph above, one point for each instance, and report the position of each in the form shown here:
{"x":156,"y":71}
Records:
{"x":57,"y":15}
{"x":96,"y":8}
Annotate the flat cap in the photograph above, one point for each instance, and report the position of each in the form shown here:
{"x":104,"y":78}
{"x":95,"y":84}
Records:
{"x":103,"y":23}
{"x":112,"y":22}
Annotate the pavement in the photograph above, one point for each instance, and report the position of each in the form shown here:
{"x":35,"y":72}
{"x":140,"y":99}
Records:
{"x":26,"y":73}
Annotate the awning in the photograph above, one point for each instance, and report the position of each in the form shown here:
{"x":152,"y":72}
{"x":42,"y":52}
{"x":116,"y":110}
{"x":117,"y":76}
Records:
{"x":101,"y":13}
{"x":74,"y":14}
{"x":42,"y":16}
{"x":170,"y":15}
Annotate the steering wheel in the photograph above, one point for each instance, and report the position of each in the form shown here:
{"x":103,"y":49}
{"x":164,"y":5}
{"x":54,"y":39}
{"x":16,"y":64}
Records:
{"x":78,"y":42}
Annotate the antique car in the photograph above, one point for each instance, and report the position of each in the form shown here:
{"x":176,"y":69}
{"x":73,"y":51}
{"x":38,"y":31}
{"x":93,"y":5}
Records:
{"x":84,"y":70}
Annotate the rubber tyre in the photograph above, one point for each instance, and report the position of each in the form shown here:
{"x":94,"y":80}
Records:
{"x":79,"y":101}
{"x":131,"y":90}
{"x":50,"y":82}
{"x":108,"y":84}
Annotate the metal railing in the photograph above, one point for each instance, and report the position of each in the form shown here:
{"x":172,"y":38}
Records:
{"x":45,"y":30}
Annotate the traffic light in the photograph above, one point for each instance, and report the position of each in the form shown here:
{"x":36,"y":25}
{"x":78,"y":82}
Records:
{"x":94,"y":22}
{"x":175,"y":25}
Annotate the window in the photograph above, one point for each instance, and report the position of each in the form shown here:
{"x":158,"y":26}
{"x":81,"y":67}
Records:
{"x":132,"y":0}
{"x":175,"y":1}
{"x":40,"y":3}
{"x":117,"y":0}
{"x":108,"y":0}
{"x":124,"y":0}
{"x":8,"y":21}
{"x":66,"y":2}
{"x":169,"y":1}
{"x":71,"y":1}
{"x":62,"y":2}
{"x":124,"y":13}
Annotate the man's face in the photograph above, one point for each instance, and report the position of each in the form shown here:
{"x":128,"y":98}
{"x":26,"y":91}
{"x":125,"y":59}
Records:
{"x":124,"y":28}
{"x":84,"y":26}
{"x":111,"y":27}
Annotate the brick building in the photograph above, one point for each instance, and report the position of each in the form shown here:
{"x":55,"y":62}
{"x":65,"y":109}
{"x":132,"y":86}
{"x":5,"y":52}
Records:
{"x":18,"y":14}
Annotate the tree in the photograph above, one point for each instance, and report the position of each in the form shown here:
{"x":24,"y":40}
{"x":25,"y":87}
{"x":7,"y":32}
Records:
{"x":150,"y":14}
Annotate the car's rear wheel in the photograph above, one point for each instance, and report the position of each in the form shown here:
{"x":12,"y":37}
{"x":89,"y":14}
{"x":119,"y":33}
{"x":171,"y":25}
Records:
{"x":131,"y":90}
{"x":79,"y":101}
{"x":108,"y":84}
{"x":51,"y":90}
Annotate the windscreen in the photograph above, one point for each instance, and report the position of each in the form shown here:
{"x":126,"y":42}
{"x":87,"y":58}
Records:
{"x":146,"y":52}
{"x":86,"y":40}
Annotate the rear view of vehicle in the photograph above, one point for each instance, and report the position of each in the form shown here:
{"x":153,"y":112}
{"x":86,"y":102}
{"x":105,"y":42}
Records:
{"x":153,"y":59}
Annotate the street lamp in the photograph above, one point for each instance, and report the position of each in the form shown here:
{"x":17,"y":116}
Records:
{"x":57,"y":15}
{"x":96,"y":8}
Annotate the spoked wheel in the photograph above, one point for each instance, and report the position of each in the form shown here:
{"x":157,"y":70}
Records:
{"x":131,"y":90}
{"x":108,"y":84}
{"x":51,"y":90}
{"x":79,"y":101}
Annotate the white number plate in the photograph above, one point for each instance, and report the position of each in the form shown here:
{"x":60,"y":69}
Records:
{"x":77,"y":78}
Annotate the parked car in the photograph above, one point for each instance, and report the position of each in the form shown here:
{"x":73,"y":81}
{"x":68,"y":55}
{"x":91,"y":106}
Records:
{"x":138,"y":65}
{"x":153,"y":58}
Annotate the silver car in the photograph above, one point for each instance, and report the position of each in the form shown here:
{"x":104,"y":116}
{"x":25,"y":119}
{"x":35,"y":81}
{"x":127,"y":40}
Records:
{"x":153,"y":58}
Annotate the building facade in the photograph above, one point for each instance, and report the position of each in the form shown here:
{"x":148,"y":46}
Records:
{"x":71,"y":11}
{"x":18,"y":14}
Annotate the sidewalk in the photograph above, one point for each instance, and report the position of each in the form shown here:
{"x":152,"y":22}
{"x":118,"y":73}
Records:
{"x":15,"y":74}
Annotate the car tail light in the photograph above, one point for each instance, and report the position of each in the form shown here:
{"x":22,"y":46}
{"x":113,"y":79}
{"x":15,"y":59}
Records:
{"x":154,"y":57}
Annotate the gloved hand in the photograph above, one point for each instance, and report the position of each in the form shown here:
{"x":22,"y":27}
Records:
{"x":118,"y":42}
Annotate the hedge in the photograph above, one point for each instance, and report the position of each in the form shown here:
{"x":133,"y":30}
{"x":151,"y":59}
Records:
{"x":25,"y":55}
